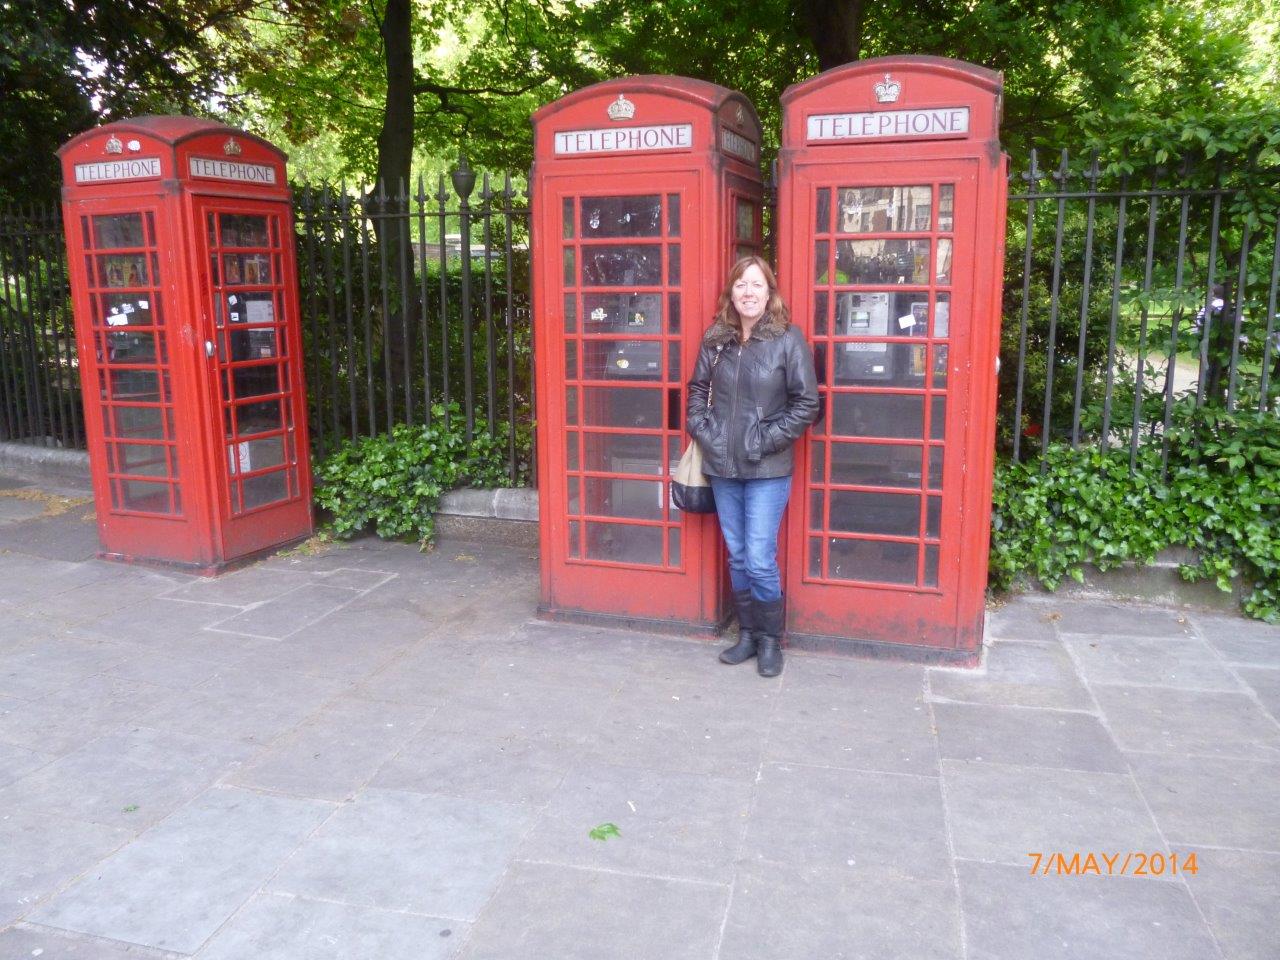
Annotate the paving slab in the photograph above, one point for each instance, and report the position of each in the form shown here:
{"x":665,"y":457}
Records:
{"x":289,"y":612}
{"x":16,"y":762}
{"x":1026,"y":737}
{"x":820,"y":689}
{"x":524,"y":707}
{"x":477,"y":766}
{"x":14,"y":510}
{"x":678,"y":726}
{"x":875,"y":824}
{"x":1241,"y":640}
{"x":33,"y":940}
{"x":1094,"y":617}
{"x":1022,"y":618}
{"x":119,"y":588}
{"x":334,"y":753}
{"x":44,"y":666}
{"x":424,"y":675}
{"x":40,"y":854}
{"x":67,"y":537}
{"x":675,"y":919}
{"x":1181,"y":663}
{"x":128,"y":779}
{"x":677,"y":825}
{"x":25,"y":626}
{"x":79,"y":712}
{"x":178,"y":884}
{"x":243,"y":588}
{"x":1011,"y":915}
{"x":1263,"y":683}
{"x":341,"y":647}
{"x":1032,"y":674}
{"x":1001,"y":813}
{"x":33,"y":581}
{"x":173,"y":669}
{"x":437,"y":856}
{"x":242,"y":703}
{"x":294,"y":928}
{"x":157,"y":622}
{"x":789,"y":911}
{"x":1163,"y":720}
{"x":1237,"y":892}
{"x":1212,"y":801}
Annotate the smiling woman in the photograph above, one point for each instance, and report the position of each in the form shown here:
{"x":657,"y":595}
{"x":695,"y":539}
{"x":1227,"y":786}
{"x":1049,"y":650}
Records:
{"x":754,"y":392}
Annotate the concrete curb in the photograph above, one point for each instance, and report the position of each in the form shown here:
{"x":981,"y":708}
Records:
{"x":64,"y":468}
{"x":1158,"y":582}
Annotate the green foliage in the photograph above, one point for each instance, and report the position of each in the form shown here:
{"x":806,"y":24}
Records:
{"x":1219,"y":496}
{"x":66,"y":66}
{"x":394,"y":482}
{"x":316,"y":68}
{"x":605,"y":831}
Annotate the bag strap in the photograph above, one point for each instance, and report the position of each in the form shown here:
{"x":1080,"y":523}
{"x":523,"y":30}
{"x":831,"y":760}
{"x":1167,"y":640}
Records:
{"x":711,"y":380}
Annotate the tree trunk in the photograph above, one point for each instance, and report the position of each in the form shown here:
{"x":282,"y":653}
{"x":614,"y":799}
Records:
{"x":835,"y":28}
{"x":395,"y":162}
{"x":395,"y":141}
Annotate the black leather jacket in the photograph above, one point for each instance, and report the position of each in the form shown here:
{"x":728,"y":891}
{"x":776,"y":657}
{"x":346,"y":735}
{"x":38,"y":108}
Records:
{"x":765,"y":395}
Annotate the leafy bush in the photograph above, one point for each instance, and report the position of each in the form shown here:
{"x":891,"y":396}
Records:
{"x":1218,"y":496}
{"x":394,"y":482}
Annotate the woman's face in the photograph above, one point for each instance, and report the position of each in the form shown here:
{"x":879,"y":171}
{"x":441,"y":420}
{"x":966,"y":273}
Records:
{"x":750,"y":294}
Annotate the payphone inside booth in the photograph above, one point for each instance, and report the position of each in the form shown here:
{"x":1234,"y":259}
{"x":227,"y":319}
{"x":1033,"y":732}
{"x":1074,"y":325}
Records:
{"x":891,"y":232}
{"x":645,"y":190}
{"x":181,"y":264}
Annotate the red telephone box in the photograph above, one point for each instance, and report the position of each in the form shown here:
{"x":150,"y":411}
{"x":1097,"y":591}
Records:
{"x":644,"y":192}
{"x":891,"y":244}
{"x":181,"y":261}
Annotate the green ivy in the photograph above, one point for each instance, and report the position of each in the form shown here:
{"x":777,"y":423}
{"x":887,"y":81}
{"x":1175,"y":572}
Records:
{"x":1219,"y":496}
{"x":393,"y":482}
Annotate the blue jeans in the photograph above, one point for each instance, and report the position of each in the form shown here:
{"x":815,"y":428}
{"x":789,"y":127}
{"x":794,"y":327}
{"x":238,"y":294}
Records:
{"x":750,"y":513}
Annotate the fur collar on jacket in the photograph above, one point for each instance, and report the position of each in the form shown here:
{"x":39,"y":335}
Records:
{"x":767,"y":327}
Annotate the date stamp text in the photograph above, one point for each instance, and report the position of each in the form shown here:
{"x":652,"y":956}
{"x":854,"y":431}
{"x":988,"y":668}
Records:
{"x":1130,"y":863}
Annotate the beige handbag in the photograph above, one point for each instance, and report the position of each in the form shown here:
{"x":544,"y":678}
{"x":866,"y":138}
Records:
{"x":690,"y":490}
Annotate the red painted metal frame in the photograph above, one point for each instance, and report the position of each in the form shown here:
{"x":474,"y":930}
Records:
{"x":687,"y":594}
{"x":199,"y":526}
{"x":941,"y":621}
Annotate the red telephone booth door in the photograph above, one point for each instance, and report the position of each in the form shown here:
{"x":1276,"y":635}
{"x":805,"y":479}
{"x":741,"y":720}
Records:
{"x":619,"y":275}
{"x":886,"y":252}
{"x":136,"y":376}
{"x":252,"y":359}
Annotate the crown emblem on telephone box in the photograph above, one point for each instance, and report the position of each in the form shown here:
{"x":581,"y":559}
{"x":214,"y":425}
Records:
{"x":231,"y":148}
{"x":622,"y":108}
{"x":887,"y":90}
{"x":114,"y":145}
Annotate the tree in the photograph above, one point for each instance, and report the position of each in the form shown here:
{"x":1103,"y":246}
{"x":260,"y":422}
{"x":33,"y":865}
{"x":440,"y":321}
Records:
{"x":386,"y":75}
{"x":67,"y":65}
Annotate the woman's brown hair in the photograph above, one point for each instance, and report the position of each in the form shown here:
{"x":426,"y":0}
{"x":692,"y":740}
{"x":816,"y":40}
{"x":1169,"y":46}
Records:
{"x":775,"y":309}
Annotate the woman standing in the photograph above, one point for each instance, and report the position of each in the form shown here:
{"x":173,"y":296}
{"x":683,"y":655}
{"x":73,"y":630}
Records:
{"x":753,"y":393}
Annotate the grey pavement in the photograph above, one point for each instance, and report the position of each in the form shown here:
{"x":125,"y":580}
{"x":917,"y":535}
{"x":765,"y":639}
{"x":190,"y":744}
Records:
{"x":366,"y":751}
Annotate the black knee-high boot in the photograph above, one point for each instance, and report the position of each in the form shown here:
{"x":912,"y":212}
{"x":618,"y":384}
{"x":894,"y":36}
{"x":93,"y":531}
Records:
{"x":769,"y":622}
{"x":745,"y":648}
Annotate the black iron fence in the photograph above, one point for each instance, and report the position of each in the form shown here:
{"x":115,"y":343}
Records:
{"x":1127,"y":293}
{"x":1130,"y":293}
{"x":415,"y":306}
{"x":39,"y":383}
